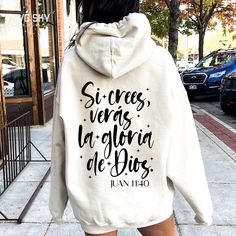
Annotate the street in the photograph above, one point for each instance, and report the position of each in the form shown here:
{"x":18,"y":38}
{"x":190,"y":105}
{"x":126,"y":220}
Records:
{"x":212,"y":106}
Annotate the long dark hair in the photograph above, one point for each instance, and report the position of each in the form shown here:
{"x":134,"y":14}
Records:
{"x":107,"y":11}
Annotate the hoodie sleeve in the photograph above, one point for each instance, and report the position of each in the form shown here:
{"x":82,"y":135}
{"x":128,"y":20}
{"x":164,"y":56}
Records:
{"x":58,"y":192}
{"x":185,"y":166}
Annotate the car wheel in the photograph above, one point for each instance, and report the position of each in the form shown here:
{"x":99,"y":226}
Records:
{"x":225,"y":108}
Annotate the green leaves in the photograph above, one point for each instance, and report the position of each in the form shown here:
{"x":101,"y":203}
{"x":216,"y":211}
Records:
{"x":197,"y":16}
{"x":158,"y":15}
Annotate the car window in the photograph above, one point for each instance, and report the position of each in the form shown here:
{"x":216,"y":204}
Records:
{"x":218,"y":59}
{"x":8,"y":62}
{"x":206,"y":62}
{"x":5,"y":61}
{"x":224,"y":58}
{"x":9,"y":77}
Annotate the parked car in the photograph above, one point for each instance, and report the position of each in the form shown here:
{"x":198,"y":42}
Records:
{"x":19,"y":78}
{"x":206,"y":76}
{"x":21,"y":85}
{"x":228,"y":93}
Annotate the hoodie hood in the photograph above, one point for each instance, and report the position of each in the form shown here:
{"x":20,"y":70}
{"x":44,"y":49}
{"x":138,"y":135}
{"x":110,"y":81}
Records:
{"x":116,"y":48}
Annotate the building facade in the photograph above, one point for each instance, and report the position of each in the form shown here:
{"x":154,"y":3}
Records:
{"x":33,"y":37}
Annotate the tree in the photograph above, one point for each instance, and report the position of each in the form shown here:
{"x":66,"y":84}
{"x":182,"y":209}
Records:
{"x":197,"y":17}
{"x":158,"y":15}
{"x":200,"y":15}
{"x":164,"y":16}
{"x":174,"y":20}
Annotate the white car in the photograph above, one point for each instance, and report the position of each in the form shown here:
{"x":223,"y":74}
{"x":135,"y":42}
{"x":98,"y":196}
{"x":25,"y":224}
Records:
{"x":8,"y":89}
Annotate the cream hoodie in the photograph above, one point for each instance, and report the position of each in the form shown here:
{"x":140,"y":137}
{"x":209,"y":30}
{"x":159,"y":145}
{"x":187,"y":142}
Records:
{"x":123,"y":133}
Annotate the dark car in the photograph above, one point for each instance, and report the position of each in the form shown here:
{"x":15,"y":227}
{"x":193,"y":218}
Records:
{"x":19,"y":78}
{"x":205,"y":78}
{"x":228,"y":93}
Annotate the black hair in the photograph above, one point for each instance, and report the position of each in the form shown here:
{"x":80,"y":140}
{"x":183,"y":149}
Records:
{"x":107,"y":11}
{"x":102,"y":11}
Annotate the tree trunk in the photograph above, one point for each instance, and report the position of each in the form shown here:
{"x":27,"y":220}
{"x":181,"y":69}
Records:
{"x":201,"y":33}
{"x":174,"y":27}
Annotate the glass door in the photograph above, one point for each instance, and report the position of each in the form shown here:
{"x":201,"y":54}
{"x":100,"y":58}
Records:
{"x":13,"y":49}
{"x":47,"y":44}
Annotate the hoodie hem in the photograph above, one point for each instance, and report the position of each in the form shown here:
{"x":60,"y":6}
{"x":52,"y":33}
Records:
{"x":95,"y":229}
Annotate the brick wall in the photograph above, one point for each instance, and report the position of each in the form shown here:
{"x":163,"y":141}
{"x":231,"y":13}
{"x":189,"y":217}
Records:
{"x":60,"y":28}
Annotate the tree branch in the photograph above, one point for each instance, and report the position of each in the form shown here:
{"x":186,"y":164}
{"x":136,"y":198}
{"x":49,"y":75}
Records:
{"x":209,"y":15}
{"x":194,"y":21}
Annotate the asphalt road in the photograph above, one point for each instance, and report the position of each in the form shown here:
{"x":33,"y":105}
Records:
{"x":212,"y":105}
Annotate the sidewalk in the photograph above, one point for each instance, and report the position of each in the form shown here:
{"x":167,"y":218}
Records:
{"x":219,"y":159}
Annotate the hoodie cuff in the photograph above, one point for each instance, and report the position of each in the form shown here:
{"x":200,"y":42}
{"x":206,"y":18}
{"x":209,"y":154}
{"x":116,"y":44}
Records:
{"x":203,"y":220}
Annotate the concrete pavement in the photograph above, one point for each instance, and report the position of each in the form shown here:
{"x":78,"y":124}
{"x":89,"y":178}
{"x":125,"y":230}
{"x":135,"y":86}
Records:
{"x":219,"y":160}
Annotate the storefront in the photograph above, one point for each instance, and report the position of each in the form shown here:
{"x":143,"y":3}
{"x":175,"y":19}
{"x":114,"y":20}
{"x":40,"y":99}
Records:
{"x":31,"y":48}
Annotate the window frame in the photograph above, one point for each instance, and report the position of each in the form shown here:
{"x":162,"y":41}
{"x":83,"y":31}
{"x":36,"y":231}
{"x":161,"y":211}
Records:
{"x":50,"y":8}
{"x":25,"y":45}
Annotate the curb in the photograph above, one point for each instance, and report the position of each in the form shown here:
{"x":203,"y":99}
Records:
{"x":218,"y":128}
{"x":214,"y":118}
{"x":228,"y":151}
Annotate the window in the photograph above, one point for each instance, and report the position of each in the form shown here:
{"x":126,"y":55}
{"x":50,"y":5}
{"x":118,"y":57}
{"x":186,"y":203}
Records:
{"x":217,"y":59}
{"x":12,"y":48}
{"x":47,"y":44}
{"x":10,"y":5}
